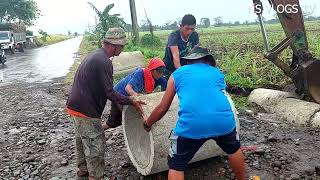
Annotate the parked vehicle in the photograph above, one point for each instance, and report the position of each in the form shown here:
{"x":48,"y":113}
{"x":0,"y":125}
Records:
{"x":12,"y":37}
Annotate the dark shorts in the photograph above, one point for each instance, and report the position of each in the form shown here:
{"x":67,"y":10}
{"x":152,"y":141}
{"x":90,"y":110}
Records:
{"x":115,"y":117}
{"x":183,"y":149}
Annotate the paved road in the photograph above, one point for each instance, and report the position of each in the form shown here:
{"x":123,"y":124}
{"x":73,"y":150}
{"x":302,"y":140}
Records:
{"x":41,"y":64}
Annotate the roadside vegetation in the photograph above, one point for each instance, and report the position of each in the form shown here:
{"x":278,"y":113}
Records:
{"x":51,"y":39}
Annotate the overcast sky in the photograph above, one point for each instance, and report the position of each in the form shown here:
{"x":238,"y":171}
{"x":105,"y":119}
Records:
{"x":59,"y":16}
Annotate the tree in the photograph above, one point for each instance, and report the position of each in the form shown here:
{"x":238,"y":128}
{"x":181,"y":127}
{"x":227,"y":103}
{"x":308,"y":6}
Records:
{"x":106,"y":20}
{"x":151,"y":28}
{"x":134,"y":21}
{"x":128,"y":27}
{"x":237,"y":23}
{"x":69,"y":33}
{"x":76,"y":34}
{"x":218,"y":21}
{"x":144,"y":26}
{"x":308,"y":11}
{"x":21,"y":11}
{"x":29,"y":33}
{"x":205,"y":22}
{"x":44,"y":35}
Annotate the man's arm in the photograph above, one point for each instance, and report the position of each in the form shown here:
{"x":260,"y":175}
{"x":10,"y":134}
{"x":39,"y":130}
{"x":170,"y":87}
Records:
{"x":130,"y":90}
{"x":136,"y":82}
{"x":164,"y":105}
{"x":176,"y":56}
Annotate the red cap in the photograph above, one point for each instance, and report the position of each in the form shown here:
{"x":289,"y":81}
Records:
{"x":155,"y":63}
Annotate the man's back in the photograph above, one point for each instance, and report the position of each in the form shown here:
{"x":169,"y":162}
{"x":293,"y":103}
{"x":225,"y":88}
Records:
{"x":204,"y":110}
{"x":88,"y":95}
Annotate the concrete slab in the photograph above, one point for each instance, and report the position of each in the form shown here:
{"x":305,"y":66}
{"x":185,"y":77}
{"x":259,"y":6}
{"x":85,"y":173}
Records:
{"x":267,"y":99}
{"x":127,"y":62}
{"x":296,"y":111}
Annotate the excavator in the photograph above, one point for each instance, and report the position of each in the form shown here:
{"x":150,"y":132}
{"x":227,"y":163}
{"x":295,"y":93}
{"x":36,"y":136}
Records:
{"x":304,"y":69}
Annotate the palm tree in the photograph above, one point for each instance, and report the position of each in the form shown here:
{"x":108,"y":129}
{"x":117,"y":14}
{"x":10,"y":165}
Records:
{"x":106,"y":20}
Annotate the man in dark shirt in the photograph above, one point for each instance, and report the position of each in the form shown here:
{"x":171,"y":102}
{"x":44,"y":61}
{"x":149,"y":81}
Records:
{"x":180,"y":43}
{"x":92,"y":87}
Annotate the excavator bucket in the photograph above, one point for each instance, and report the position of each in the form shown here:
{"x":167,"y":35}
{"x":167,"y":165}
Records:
{"x":312,"y":79}
{"x":304,"y":69}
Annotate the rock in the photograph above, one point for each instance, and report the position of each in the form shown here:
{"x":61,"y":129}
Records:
{"x":29,"y":159}
{"x":276,"y":169}
{"x":249,"y":112}
{"x":276,"y":164}
{"x":317,"y":169}
{"x":19,"y":143}
{"x":14,"y":131}
{"x":30,"y":138}
{"x":28,"y":172}
{"x":64,"y":162}
{"x":272,"y":138}
{"x":260,"y":151}
{"x":281,"y":177}
{"x":309,"y":171}
{"x":221,"y":172}
{"x":42,"y":142}
{"x":60,"y":149}
{"x":110,"y":141}
{"x":29,"y":152}
{"x":6,"y":170}
{"x":255,"y":164}
{"x":36,"y":172}
{"x":295,"y":177}
{"x":16,"y":173}
{"x":125,"y":165}
{"x":268,"y":157}
{"x":25,"y":177}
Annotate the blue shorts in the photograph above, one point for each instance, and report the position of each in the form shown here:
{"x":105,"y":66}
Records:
{"x":183,"y":149}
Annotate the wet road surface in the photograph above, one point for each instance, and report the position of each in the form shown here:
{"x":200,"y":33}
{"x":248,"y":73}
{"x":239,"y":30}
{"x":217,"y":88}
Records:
{"x":41,"y":64}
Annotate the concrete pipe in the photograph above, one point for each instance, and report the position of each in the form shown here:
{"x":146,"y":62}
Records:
{"x":268,"y":98}
{"x":127,"y":62}
{"x":297,"y":111}
{"x":148,"y":151}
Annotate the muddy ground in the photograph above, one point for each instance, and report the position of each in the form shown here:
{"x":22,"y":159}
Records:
{"x":36,"y":142}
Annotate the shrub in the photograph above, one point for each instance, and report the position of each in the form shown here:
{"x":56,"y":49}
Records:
{"x":148,"y":41}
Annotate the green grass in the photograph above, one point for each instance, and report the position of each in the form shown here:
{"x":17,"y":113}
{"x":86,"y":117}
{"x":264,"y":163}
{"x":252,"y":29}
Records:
{"x":52,"y":39}
{"x":240,"y":102}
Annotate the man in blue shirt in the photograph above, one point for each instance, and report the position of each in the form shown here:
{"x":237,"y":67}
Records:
{"x":205,"y":113}
{"x":141,"y":80}
{"x":180,"y":43}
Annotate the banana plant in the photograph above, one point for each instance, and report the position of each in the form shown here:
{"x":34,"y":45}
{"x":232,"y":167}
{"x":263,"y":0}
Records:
{"x":106,"y":20}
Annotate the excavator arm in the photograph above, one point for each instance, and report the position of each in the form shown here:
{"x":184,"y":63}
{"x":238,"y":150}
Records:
{"x":304,"y":69}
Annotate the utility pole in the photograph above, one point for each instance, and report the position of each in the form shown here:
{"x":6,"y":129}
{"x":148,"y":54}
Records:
{"x":134,"y":22}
